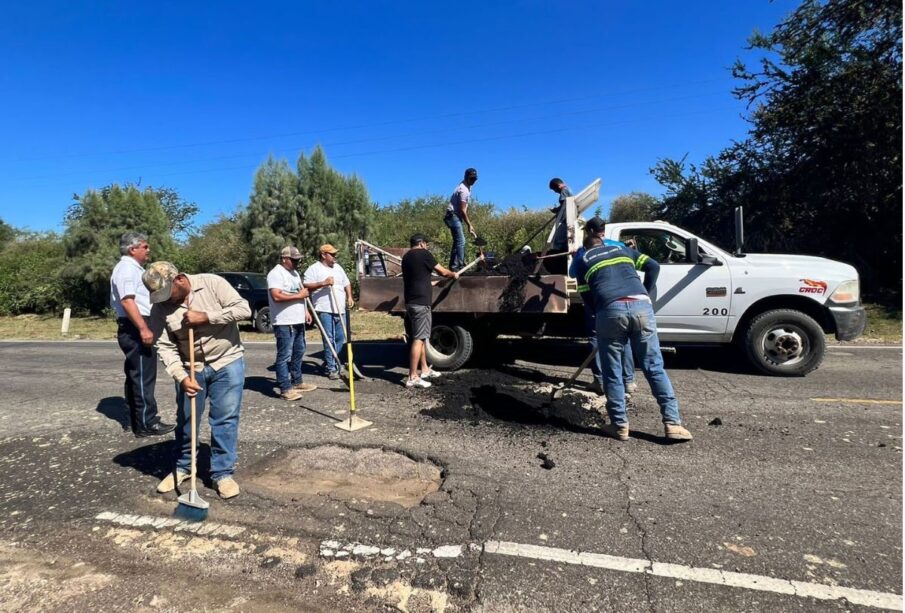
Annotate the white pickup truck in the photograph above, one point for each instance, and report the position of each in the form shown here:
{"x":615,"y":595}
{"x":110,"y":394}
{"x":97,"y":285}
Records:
{"x":776,"y":308}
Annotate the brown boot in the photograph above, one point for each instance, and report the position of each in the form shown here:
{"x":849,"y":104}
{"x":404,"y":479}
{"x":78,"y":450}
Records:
{"x":304,"y":387}
{"x":291,"y":394}
{"x":227,"y":487}
{"x":675,"y":432}
{"x":619,"y":433}
{"x":171,"y":481}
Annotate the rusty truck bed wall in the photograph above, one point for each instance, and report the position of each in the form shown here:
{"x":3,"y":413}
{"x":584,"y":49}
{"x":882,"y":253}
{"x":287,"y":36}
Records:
{"x":473,"y":294}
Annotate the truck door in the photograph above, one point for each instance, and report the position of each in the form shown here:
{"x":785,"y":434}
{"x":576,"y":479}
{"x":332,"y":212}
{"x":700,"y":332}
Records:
{"x":692,"y":300}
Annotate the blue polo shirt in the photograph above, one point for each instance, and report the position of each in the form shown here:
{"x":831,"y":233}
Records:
{"x":610,"y":273}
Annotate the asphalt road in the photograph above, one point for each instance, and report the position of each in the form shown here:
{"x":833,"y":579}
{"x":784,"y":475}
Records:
{"x":789,"y":497}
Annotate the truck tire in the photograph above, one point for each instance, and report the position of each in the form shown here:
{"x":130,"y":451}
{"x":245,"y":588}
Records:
{"x":785,"y":342}
{"x":450,"y":346}
{"x":262,"y":320}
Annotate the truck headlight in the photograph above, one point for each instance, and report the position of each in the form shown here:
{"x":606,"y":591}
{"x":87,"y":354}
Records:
{"x":847,"y":292}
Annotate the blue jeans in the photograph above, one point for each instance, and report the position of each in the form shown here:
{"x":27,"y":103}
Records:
{"x":290,"y":351}
{"x":634,"y":322}
{"x":223,"y":388}
{"x":457,"y":254}
{"x":628,"y":360}
{"x":334,"y":329}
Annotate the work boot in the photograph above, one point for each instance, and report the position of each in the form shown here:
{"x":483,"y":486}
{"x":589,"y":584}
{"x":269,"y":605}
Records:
{"x":158,"y":429}
{"x":291,"y":394}
{"x":304,"y":387}
{"x":227,"y":487}
{"x":631,"y":387}
{"x":169,"y":483}
{"x":617,"y":432}
{"x":675,"y":432}
{"x":596,"y":387}
{"x":333,"y":376}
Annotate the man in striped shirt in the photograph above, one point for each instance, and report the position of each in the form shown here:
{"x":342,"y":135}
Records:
{"x":625,"y":314}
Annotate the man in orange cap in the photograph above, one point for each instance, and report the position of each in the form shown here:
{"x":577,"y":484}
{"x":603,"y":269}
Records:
{"x":322,"y":278}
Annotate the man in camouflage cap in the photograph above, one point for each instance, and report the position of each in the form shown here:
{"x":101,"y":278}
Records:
{"x":212,"y":307}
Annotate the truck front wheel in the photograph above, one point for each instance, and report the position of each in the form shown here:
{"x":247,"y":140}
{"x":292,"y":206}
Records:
{"x":785,"y":342}
{"x":262,"y":320}
{"x":450,"y":346}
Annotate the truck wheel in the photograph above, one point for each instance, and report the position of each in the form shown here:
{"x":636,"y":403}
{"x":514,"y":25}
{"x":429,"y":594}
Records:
{"x":785,"y":342}
{"x":449,"y":347}
{"x":262,"y":320}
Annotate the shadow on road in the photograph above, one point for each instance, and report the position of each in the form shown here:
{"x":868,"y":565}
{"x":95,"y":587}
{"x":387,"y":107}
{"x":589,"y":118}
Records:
{"x":114,"y":407}
{"x":157,"y":459}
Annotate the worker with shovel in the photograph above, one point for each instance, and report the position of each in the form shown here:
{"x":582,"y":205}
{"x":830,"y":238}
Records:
{"x":210,"y":308}
{"x":331,"y":293}
{"x":625,"y":313}
{"x":289,"y":316}
{"x":418,"y":264}
{"x":456,"y":215}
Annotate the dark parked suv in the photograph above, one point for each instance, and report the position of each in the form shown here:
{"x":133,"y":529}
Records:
{"x":253,"y":287}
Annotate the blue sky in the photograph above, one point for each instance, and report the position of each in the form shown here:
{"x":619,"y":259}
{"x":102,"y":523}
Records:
{"x":195,"y":96}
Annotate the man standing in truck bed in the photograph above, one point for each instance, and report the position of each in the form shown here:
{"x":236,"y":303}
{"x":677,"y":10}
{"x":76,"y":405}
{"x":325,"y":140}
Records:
{"x":625,"y":313}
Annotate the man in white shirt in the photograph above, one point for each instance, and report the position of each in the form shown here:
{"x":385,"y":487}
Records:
{"x":289,"y":316}
{"x":130,"y":299}
{"x":322,"y":278}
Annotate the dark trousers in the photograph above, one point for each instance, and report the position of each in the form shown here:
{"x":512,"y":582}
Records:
{"x":140,"y":368}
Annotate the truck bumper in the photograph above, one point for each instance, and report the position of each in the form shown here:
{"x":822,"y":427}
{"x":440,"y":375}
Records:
{"x":850,"y":321}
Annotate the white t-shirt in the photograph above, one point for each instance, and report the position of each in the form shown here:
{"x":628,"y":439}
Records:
{"x":318,"y":272}
{"x":285,"y":313}
{"x":126,"y":281}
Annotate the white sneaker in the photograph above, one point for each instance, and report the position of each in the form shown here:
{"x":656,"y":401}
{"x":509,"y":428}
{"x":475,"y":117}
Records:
{"x":417,"y":382}
{"x":631,"y":387}
{"x":431,"y":374}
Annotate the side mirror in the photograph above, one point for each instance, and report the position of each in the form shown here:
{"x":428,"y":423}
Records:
{"x":241,"y":286}
{"x":692,"y":254}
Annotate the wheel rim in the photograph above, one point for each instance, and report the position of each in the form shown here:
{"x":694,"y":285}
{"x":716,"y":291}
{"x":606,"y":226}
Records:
{"x":785,"y":344}
{"x":444,"y":340}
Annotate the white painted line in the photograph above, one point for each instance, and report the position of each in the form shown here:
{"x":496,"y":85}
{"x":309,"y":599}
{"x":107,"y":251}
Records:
{"x":820,"y":591}
{"x":157,"y":523}
{"x":335,"y":549}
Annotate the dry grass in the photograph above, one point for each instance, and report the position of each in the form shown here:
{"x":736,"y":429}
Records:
{"x":365,"y":326}
{"x":884,"y":326}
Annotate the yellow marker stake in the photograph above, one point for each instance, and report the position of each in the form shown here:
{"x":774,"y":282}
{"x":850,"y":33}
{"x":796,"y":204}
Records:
{"x":354,"y":422}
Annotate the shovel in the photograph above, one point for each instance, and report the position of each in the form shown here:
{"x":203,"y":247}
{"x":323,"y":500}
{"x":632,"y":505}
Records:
{"x":557,"y":393}
{"x":192,"y":507}
{"x":355,"y":422}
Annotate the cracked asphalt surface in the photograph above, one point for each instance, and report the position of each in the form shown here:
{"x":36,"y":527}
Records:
{"x":775,"y":484}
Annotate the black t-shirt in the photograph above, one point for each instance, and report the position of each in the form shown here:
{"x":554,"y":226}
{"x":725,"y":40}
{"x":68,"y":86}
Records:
{"x":417,"y":265}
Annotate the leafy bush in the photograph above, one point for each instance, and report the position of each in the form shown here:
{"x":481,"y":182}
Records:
{"x":29,"y":280}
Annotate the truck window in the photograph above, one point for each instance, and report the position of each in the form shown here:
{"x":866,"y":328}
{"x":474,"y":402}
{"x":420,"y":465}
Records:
{"x":662,"y":245}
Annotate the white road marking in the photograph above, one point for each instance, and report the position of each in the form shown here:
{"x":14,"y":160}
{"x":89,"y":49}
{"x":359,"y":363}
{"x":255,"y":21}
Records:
{"x":158,"y":523}
{"x":868,"y":598}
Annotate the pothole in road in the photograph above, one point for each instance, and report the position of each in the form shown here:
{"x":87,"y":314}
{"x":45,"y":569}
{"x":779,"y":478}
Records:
{"x":367,"y":473}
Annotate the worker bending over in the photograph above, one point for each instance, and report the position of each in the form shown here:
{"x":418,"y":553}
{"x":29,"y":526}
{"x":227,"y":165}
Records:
{"x":625,"y":313}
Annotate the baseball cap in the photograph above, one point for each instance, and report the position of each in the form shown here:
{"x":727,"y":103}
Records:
{"x":328,"y":248}
{"x":158,"y":278}
{"x":290,"y":252}
{"x":594,"y":225}
{"x":418,"y":238}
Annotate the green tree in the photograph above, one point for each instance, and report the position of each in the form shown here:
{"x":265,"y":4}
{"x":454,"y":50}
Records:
{"x":94,"y":224}
{"x":7,"y":233}
{"x":218,"y":246}
{"x":180,"y":212}
{"x":635,"y":206}
{"x":314,"y":205}
{"x":29,"y":280}
{"x":822,"y":164}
